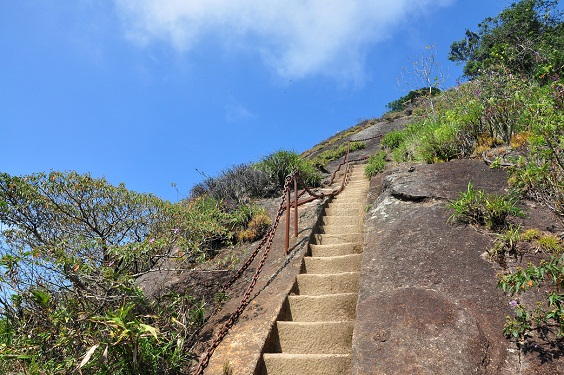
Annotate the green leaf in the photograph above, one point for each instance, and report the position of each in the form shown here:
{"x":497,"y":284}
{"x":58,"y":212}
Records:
{"x":150,"y":329}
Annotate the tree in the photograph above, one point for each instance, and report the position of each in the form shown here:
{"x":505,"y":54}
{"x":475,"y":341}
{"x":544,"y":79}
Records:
{"x":527,"y":38}
{"x":65,"y":268}
{"x":64,"y":218}
{"x":425,"y":74}
{"x":401,"y":103}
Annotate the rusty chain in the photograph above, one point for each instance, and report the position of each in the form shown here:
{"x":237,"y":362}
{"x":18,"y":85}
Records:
{"x":267,"y":240}
{"x":364,"y":139}
{"x":345,"y":159}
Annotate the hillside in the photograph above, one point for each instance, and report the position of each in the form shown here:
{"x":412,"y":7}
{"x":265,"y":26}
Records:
{"x":427,"y":288}
{"x":428,"y":241}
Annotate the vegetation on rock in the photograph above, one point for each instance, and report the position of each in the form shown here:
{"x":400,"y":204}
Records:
{"x":72,"y":248}
{"x":514,"y":105}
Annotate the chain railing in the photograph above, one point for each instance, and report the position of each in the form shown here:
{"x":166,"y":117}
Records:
{"x":286,"y":205}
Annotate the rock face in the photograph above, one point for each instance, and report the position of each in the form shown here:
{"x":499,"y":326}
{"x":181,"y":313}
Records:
{"x":428,"y":302}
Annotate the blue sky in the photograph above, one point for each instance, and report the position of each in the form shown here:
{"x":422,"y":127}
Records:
{"x":147,"y":91}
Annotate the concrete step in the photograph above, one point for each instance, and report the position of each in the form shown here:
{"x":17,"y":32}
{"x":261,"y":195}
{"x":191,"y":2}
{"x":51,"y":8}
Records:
{"x":324,"y":308}
{"x":345,"y":203}
{"x":337,"y":248}
{"x":343,"y":220}
{"x":337,"y":239}
{"x":356,"y":198}
{"x":344,"y":211}
{"x":358,"y":178}
{"x":314,"y":337}
{"x":313,"y":334}
{"x":320,"y":284}
{"x":356,"y":186}
{"x":332,"y":264}
{"x":337,"y":229}
{"x":310,"y":364}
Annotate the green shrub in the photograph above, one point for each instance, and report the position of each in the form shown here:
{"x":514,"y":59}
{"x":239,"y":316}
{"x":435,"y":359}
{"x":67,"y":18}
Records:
{"x":505,"y":242}
{"x":282,"y":163}
{"x":321,"y":160}
{"x":468,"y":208}
{"x":393,"y":139}
{"x":402,"y":103}
{"x":376,"y":164}
{"x":69,"y":292}
{"x":541,"y":316}
{"x":440,"y":143}
{"x":550,"y":244}
{"x":498,"y":208}
{"x":540,"y":174}
{"x":236,"y":185}
{"x":477,"y":207}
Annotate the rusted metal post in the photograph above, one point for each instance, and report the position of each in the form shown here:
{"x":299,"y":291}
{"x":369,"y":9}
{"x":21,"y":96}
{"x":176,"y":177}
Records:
{"x":345,"y":176}
{"x":348,"y":150}
{"x":287,"y":220}
{"x":295,"y":207}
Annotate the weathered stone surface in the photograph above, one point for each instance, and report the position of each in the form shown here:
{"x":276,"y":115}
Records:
{"x":428,"y":301}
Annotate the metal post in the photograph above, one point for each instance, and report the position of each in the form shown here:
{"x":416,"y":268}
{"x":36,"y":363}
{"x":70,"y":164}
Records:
{"x":287,"y":220}
{"x":295,"y":207}
{"x":345,"y":176}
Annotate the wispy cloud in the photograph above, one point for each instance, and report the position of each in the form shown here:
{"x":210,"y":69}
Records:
{"x":295,"y":38}
{"x":237,"y":112}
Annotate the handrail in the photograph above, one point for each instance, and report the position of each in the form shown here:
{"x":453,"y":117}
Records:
{"x":295,"y":176}
{"x":285,"y":205}
{"x":345,"y":159}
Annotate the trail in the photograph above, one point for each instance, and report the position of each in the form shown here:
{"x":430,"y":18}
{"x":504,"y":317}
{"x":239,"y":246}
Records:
{"x":313,"y":334}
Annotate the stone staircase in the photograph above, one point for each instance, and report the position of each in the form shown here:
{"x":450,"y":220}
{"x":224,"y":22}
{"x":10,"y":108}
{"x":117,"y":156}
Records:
{"x":313,"y":333}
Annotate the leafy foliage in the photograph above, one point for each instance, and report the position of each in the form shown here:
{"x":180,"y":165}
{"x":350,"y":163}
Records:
{"x":477,"y":207}
{"x":470,"y":119}
{"x":282,"y":163}
{"x":505,"y":242}
{"x":376,"y":164}
{"x":540,"y":174}
{"x":71,"y":248}
{"x":236,"y":185}
{"x":403,"y":102}
{"x":527,"y":38}
{"x":547,"y":275}
{"x":393,"y":139}
{"x":334,"y":153}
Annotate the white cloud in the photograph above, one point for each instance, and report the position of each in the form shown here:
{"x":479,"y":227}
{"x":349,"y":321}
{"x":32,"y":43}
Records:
{"x":237,"y":112}
{"x":296,"y":38}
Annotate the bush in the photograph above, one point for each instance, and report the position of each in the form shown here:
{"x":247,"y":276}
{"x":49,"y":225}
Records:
{"x":376,"y":164}
{"x":393,"y":139}
{"x":282,"y":163}
{"x":541,"y":316}
{"x":321,"y":160}
{"x":256,"y":228}
{"x":540,"y":175}
{"x":402,"y":103}
{"x":477,"y":207}
{"x":71,"y":249}
{"x":469,"y":119}
{"x":236,"y":186}
{"x":505,"y":242}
